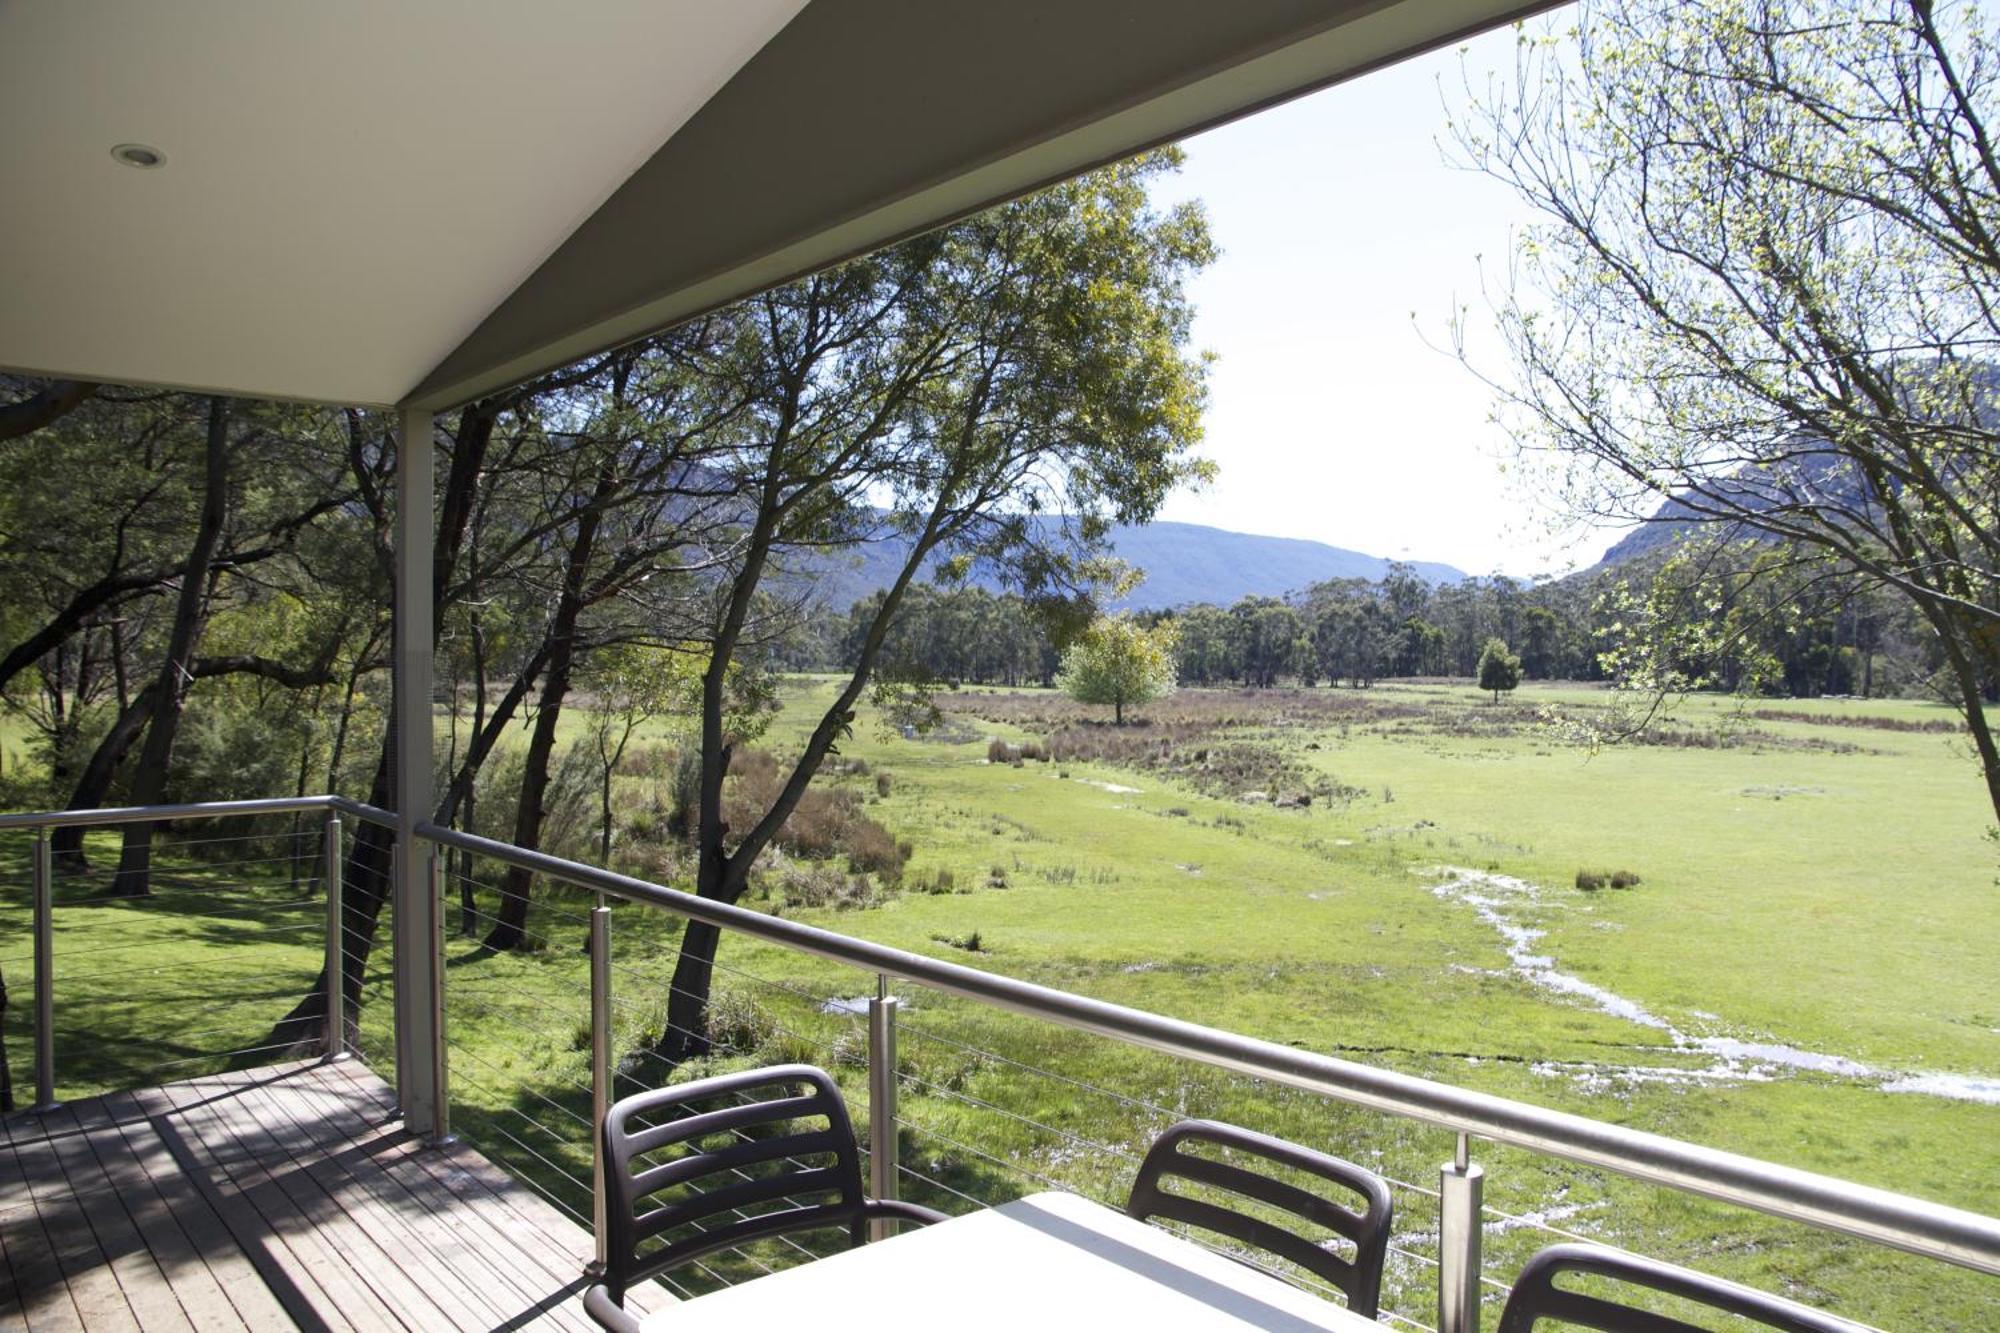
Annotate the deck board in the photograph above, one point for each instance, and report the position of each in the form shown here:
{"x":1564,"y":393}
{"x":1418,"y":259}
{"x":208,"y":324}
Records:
{"x":280,"y":1197}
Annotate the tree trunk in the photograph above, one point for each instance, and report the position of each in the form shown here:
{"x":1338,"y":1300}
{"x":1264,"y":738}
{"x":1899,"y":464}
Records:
{"x":6,"y":1069}
{"x":170,"y":689}
{"x":66,"y":844}
{"x":686,"y":1035}
{"x":511,"y":926}
{"x":365,"y":887}
{"x":604,"y":818}
{"x":509,"y":929}
{"x":468,"y":907}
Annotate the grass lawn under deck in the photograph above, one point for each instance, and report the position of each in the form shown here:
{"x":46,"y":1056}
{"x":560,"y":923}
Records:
{"x":1849,"y":915}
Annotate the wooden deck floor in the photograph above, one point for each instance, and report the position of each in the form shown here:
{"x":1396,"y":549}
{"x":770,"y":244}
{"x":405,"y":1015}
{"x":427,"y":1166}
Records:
{"x":270,"y":1198}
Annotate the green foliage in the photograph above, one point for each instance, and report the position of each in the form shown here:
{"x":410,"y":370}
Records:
{"x":1499,"y":669}
{"x":1119,"y":662}
{"x":1761,"y":297}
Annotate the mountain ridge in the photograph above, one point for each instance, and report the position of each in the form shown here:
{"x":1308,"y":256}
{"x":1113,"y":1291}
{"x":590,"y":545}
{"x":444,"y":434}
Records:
{"x":1185,"y":564}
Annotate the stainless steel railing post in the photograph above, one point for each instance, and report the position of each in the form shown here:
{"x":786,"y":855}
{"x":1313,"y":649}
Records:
{"x":336,"y":945}
{"x":440,"y":1065}
{"x":1460,"y":1184}
{"x":45,"y":973}
{"x":600,"y":1068}
{"x":883,"y":1140}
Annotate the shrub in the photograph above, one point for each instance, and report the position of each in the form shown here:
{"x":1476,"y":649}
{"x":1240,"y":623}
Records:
{"x":735,"y":1024}
{"x":999,"y":752}
{"x":1624,"y":879}
{"x":870,"y":848}
{"x":808,"y":885}
{"x":1589,"y":881}
{"x":884,"y":783}
{"x":1035,"y":751}
{"x":648,"y":761}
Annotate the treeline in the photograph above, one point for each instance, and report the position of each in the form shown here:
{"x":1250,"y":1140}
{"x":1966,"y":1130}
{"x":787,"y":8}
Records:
{"x":949,"y":635}
{"x":1357,"y":631}
{"x":1729,"y":616}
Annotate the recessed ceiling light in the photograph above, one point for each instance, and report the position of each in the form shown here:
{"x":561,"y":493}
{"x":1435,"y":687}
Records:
{"x":139,"y":155}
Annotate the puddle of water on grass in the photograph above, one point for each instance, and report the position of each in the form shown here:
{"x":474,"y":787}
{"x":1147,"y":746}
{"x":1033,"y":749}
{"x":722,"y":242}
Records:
{"x":856,"y":1006}
{"x":1114,"y":788}
{"x":1491,"y":896}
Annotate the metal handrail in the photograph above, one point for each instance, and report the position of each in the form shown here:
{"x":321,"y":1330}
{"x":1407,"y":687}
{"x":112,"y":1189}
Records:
{"x":146,"y":814}
{"x":1954,"y":1235}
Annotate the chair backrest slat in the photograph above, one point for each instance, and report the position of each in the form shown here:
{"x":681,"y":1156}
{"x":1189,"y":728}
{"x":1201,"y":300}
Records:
{"x":695,"y":1207}
{"x":1360,"y":1278}
{"x":746,"y":1153}
{"x":1266,"y":1189}
{"x":1536,"y":1296}
{"x":736,"y":1119}
{"x":764,"y":1165}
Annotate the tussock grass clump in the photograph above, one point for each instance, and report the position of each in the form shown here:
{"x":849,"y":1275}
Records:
{"x":735,"y":1023}
{"x":1590,"y":881}
{"x":810,"y":885}
{"x":970,"y":943}
{"x":872,"y":849}
{"x":939,"y":881}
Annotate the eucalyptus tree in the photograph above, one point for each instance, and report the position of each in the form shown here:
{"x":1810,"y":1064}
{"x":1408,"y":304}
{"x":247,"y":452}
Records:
{"x":96,"y":600}
{"x":1116,"y":660}
{"x":993,"y":395}
{"x":628,"y":472}
{"x":1765,"y":293}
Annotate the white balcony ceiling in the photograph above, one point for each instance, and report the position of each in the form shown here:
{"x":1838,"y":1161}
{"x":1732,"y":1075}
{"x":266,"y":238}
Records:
{"x":381,"y":201}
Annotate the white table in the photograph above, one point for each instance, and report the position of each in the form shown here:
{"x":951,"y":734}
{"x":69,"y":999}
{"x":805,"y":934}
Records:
{"x":1045,"y":1263}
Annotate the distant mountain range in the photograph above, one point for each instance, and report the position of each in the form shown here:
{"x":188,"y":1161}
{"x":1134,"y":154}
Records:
{"x":1824,"y":477}
{"x":1185,"y":563}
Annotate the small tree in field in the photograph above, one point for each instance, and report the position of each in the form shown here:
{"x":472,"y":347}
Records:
{"x":1499,"y":670}
{"x":1118,"y":662}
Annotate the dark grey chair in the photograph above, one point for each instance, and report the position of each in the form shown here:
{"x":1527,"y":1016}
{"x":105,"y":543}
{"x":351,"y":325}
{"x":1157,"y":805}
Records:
{"x":1360,"y":1278}
{"x":1536,"y":1296}
{"x":721,"y":1162}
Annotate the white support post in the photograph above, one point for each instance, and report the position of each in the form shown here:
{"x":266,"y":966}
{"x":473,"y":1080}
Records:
{"x":418,"y":971}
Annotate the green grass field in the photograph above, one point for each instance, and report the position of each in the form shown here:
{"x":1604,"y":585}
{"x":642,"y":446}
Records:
{"x":1812,"y":885}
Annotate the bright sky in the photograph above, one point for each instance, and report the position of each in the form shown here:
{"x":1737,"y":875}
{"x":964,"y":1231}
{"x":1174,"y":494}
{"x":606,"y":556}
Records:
{"x":1333,"y":416}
